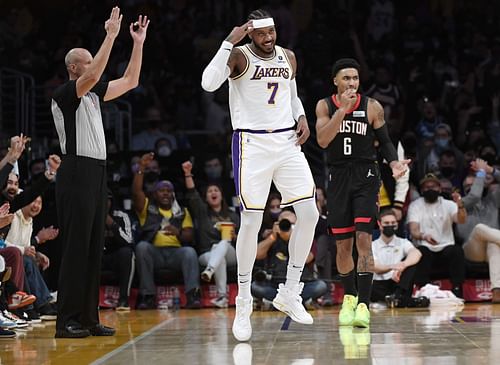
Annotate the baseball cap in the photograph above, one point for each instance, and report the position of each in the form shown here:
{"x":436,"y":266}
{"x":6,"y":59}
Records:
{"x":429,"y":177}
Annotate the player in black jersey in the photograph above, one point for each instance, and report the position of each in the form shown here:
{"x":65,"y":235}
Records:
{"x":347,"y":126}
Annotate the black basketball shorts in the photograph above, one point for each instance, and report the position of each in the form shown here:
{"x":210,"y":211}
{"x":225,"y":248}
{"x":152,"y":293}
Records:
{"x":353,"y":192}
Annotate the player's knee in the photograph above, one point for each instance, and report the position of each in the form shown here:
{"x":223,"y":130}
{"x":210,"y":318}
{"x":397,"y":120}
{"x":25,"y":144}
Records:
{"x":363,"y":237}
{"x":344,"y":250}
{"x":307,"y":212}
{"x":250,"y":220}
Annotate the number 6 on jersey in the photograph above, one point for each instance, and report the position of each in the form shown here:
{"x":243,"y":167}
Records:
{"x":347,"y":146}
{"x":274,"y":86}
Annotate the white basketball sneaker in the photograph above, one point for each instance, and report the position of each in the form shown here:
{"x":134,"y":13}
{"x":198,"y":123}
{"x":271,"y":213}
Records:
{"x":289,"y":302}
{"x":242,"y":327}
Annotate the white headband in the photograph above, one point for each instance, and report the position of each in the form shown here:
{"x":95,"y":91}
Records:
{"x":262,"y":23}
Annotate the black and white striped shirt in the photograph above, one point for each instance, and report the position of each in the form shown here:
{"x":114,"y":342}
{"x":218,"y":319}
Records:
{"x":78,"y":121}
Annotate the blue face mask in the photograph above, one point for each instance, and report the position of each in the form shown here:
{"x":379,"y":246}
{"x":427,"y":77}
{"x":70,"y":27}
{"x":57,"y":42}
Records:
{"x":275,"y":215}
{"x":442,"y":142}
{"x":213,"y":172}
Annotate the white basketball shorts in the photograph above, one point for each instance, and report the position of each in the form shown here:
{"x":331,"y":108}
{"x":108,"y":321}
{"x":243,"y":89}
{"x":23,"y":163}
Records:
{"x":260,"y":158}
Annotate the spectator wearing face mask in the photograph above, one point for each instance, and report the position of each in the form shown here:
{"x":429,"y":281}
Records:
{"x":488,"y":153}
{"x":430,"y":221}
{"x":450,"y":169}
{"x":481,"y":232}
{"x":163,"y":147}
{"x":442,"y":141}
{"x":395,"y":261}
{"x":429,"y":121}
{"x":151,"y":172}
{"x":446,"y":188}
{"x":271,"y":214}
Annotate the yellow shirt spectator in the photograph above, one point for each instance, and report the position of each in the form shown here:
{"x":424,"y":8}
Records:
{"x":161,"y":239}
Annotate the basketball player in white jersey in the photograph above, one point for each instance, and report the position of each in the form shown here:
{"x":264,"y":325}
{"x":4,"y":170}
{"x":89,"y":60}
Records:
{"x":266,"y":148}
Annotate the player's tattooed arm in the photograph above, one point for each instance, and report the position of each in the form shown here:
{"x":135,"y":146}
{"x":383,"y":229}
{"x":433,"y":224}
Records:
{"x":375,"y":113}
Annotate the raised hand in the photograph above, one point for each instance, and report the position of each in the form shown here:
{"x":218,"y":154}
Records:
{"x":139,"y":35}
{"x":146,"y":160}
{"x":4,"y":209}
{"x":54,"y":163}
{"x":479,"y":164}
{"x":112,"y":25}
{"x":238,"y":33}
{"x":5,"y":220}
{"x":5,"y":217}
{"x":187,"y":167}
{"x":17,"y":145}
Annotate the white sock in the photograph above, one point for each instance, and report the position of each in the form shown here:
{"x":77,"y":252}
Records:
{"x":246,"y":250}
{"x":301,"y":239}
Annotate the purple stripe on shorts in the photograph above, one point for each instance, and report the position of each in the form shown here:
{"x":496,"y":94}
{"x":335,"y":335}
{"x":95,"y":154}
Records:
{"x":236,"y":154}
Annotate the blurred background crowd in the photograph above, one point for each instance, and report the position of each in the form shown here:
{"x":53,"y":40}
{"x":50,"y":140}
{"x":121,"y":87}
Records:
{"x":434,"y":65}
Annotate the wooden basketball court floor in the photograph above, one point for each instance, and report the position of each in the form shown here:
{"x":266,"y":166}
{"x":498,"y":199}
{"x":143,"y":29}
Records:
{"x":397,"y":336}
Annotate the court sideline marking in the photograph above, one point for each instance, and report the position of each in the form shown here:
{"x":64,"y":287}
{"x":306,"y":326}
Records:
{"x":131,"y":342}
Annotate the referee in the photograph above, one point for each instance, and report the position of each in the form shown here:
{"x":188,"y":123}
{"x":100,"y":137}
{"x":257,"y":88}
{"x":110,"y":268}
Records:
{"x":81,"y":183}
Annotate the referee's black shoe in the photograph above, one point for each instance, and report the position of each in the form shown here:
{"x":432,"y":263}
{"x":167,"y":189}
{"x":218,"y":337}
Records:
{"x":101,"y":330}
{"x":72,"y":331}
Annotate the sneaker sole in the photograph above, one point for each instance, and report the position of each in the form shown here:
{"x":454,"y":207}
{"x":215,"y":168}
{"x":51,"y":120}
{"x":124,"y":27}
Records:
{"x":242,"y":339}
{"x":22,"y":304}
{"x":282,"y":307}
{"x":349,"y":324}
{"x":47,"y":317}
{"x":9,"y":326}
{"x":360,"y":324}
{"x":123,"y":309}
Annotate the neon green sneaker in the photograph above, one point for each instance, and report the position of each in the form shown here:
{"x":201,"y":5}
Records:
{"x":362,"y":316}
{"x":346,"y":314}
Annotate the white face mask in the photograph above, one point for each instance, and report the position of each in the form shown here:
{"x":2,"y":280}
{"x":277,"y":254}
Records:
{"x":164,"y":151}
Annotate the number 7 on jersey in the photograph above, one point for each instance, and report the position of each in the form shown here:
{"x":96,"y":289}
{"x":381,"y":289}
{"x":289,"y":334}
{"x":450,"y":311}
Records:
{"x":274,"y":86}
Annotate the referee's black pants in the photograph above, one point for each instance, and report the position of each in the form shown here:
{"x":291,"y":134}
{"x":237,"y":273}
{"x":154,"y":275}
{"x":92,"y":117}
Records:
{"x":81,"y":193}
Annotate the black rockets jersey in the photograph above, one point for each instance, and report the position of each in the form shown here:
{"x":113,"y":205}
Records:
{"x":354,"y":141}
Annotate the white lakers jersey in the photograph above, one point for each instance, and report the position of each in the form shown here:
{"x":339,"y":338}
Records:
{"x":259,"y":97}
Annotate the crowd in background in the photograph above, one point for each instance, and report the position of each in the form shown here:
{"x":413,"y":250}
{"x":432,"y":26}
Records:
{"x":434,"y":66}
